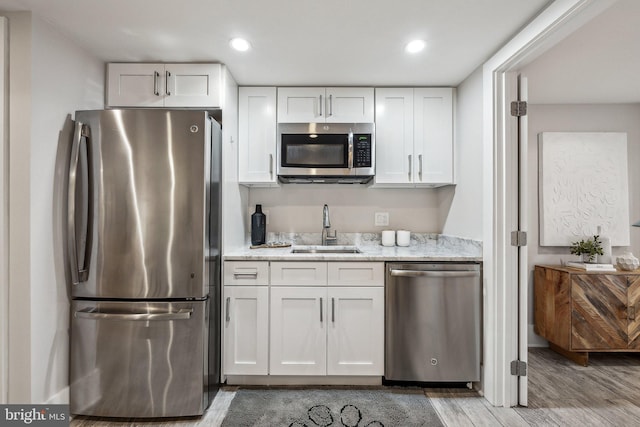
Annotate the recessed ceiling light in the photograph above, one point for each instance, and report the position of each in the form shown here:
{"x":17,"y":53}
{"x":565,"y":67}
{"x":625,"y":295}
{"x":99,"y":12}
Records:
{"x":240,"y":44}
{"x":415,"y":46}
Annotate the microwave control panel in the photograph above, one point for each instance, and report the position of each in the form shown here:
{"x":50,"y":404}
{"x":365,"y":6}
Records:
{"x":361,"y":150}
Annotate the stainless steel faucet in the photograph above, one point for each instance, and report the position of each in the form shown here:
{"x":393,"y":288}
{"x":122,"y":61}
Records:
{"x":327,"y":238}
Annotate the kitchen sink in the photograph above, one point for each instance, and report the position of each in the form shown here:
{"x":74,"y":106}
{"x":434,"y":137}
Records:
{"x":325,"y":250}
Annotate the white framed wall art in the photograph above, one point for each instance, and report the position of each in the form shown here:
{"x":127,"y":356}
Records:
{"x":583,"y":184}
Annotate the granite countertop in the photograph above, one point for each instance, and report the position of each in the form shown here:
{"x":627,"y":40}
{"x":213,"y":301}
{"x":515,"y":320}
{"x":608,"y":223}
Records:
{"x":423,"y":247}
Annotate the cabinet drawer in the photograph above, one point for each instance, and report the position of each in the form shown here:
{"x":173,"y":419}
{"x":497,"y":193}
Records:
{"x":355,"y":273}
{"x":246,"y":273}
{"x":299,"y":273}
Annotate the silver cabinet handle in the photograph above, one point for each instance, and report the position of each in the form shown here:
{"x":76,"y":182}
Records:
{"x":330,"y":105}
{"x":410,"y":166}
{"x":420,"y":273}
{"x":167,"y":74}
{"x":333,"y":310}
{"x":156,"y":88}
{"x":420,"y":166}
{"x":253,"y":275}
{"x":271,"y":165}
{"x":228,"y":314}
{"x":320,"y":105}
{"x":79,"y":270}
{"x":320,"y":310}
{"x":91,"y":313}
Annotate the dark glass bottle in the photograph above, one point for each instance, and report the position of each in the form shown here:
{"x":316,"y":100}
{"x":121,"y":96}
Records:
{"x":258,"y":227}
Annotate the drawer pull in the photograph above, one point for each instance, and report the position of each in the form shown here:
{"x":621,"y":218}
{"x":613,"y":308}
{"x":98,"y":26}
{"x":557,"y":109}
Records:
{"x":253,"y":275}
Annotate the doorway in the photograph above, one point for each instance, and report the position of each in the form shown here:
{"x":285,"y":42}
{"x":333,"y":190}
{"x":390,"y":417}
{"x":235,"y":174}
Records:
{"x":501,"y":191}
{"x":4,"y":217}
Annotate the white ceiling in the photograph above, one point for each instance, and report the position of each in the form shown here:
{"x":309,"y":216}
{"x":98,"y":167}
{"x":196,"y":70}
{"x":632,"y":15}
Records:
{"x":297,"y":42}
{"x":598,"y":63}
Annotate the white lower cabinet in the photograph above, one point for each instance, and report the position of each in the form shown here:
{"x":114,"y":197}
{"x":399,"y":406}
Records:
{"x":355,"y":332}
{"x":246,"y":330}
{"x":298,"y":343}
{"x":327,"y":331}
{"x":310,"y":319}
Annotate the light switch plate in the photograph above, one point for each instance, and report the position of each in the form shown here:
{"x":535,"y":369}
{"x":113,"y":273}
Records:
{"x":381,"y":219}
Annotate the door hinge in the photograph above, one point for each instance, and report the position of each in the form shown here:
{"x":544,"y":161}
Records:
{"x":519,"y":368}
{"x":519,"y":108}
{"x":518,"y":238}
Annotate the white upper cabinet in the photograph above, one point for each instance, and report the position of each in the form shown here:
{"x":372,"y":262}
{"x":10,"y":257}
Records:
{"x":330,"y":105}
{"x":414,"y":137}
{"x":257,"y":136}
{"x":164,"y":85}
{"x":433,"y":135}
{"x":394,"y":136}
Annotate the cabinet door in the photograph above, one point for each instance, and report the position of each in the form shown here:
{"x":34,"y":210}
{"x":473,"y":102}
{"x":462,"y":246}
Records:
{"x":135,"y":85}
{"x":599,"y":312}
{"x":355,"y":338}
{"x":349,"y":105}
{"x":301,"y":104}
{"x":192,"y":85}
{"x":394,"y":136}
{"x":298,"y":342}
{"x":257,"y":135}
{"x":633,"y":295}
{"x":246,"y":330}
{"x":433,"y":138}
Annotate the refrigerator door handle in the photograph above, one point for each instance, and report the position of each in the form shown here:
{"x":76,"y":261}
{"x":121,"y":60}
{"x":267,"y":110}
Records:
{"x":90,"y":313}
{"x":79,"y":268}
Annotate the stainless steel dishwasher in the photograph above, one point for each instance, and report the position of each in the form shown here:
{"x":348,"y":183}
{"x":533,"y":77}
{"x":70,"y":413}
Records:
{"x":432,"y":322}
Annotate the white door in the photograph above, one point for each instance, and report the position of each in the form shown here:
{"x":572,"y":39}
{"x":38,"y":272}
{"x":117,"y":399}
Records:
{"x":192,"y":85}
{"x":301,"y":104}
{"x":349,"y":105}
{"x":298,"y":342}
{"x":246,"y":330}
{"x":355,"y":338}
{"x":433,"y":135}
{"x":135,"y":85}
{"x":394,"y":136}
{"x":257,"y":135}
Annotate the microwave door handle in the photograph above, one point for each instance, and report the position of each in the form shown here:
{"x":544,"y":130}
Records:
{"x":350,"y":159}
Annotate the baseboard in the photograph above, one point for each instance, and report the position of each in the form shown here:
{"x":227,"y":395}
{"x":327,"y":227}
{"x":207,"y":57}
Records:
{"x":535,"y":340}
{"x":60,"y":398}
{"x":304,"y":380}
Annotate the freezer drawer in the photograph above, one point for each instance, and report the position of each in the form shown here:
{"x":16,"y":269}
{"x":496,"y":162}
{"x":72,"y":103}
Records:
{"x":138,"y":359}
{"x":432,"y":316}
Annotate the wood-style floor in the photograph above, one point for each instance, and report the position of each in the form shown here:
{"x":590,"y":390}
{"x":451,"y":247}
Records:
{"x":561,"y":393}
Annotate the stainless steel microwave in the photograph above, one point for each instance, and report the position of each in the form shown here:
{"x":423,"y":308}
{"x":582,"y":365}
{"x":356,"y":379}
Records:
{"x":326,"y":152}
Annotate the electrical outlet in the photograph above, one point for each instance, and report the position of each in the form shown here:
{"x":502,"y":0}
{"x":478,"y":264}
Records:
{"x":266,"y":214}
{"x":381,"y":219}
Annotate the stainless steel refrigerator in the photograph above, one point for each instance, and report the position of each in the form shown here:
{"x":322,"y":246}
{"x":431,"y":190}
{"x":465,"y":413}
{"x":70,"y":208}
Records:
{"x":143,"y":238}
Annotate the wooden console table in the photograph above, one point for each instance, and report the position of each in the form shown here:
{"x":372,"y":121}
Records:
{"x":579,"y":312}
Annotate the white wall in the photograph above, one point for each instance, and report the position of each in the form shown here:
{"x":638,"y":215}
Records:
{"x":58,"y":78}
{"x":579,"y":118}
{"x":464,"y":218}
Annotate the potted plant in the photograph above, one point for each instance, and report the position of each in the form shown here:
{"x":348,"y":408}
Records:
{"x":589,"y":248}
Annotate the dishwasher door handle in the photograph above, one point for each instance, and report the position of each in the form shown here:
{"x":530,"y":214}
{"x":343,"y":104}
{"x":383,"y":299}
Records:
{"x":422,"y":273}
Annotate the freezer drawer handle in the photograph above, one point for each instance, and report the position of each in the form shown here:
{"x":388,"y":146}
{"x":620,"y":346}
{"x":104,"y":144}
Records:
{"x":89,"y":313}
{"x":419,"y":273}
